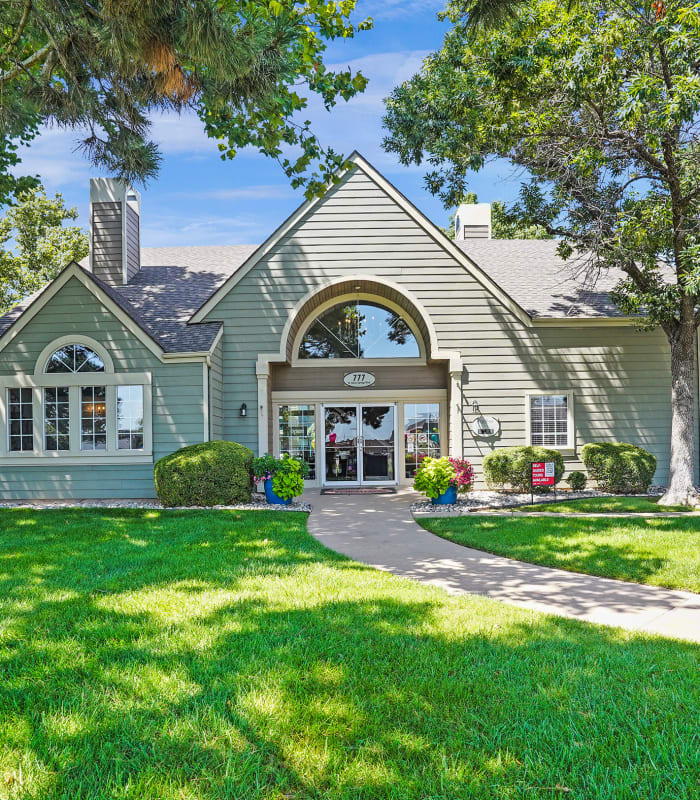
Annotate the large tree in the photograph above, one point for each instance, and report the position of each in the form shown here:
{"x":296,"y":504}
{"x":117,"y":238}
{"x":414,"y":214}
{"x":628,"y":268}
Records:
{"x":599,"y":102}
{"x":102,"y":66}
{"x":35,"y":244}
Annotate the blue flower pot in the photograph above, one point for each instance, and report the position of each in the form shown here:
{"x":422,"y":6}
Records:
{"x":447,"y":498}
{"x":271,"y":497}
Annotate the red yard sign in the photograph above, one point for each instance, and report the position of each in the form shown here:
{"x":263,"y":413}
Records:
{"x":542,"y":473}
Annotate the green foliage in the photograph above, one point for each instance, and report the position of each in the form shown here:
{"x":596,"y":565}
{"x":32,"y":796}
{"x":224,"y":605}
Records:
{"x":510,"y":467}
{"x":245,"y":67}
{"x":619,"y":467}
{"x":209,"y":474}
{"x":287,"y":474}
{"x":434,"y":476}
{"x":288,"y":481}
{"x":600,"y":106}
{"x":40,"y":244}
{"x":577,"y":480}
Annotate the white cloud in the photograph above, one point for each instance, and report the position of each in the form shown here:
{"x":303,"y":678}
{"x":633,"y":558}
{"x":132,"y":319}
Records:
{"x":162,"y":230}
{"x":398,"y":9}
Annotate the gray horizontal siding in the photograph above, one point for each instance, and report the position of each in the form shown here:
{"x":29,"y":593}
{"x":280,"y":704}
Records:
{"x":106,"y":227}
{"x":216,"y":393}
{"x":133,"y":245}
{"x":620,"y":377}
{"x":177,"y":409}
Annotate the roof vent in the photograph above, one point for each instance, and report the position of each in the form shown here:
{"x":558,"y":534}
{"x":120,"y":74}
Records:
{"x":473,"y":221}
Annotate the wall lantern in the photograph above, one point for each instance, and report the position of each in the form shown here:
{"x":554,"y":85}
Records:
{"x":475,"y":407}
{"x":244,"y":410}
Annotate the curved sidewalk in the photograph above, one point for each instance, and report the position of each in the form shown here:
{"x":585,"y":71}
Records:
{"x":379,"y":530}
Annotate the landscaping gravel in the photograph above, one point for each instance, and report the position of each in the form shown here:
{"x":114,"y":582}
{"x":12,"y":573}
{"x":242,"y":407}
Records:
{"x":485,"y":500}
{"x":258,"y":503}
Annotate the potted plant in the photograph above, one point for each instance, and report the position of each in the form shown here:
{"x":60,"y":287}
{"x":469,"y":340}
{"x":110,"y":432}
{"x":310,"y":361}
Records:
{"x":283,"y":477}
{"x":441,"y":479}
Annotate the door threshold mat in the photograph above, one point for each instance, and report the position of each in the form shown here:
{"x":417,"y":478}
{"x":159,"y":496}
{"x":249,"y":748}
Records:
{"x":361,"y":490}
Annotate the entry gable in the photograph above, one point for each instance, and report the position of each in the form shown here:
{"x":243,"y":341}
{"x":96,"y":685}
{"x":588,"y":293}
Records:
{"x":364,"y":214}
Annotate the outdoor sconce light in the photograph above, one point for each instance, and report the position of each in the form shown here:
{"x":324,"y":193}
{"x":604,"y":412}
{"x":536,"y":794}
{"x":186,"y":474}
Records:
{"x":475,"y":407}
{"x":244,"y":410}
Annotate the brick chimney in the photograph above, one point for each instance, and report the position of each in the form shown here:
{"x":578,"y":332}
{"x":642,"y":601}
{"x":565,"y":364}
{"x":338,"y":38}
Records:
{"x":473,"y":221}
{"x":115,"y":249}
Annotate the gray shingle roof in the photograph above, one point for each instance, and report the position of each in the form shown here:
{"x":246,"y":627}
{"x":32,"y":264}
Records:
{"x":531,"y":272}
{"x":175,"y":281}
{"x":172,"y":284}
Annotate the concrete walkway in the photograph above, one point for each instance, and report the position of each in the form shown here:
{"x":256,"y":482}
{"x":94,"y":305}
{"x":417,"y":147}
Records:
{"x":379,"y":530}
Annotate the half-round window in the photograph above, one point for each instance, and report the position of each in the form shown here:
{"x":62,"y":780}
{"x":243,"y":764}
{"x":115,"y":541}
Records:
{"x":75,"y":358}
{"x":358,"y":329}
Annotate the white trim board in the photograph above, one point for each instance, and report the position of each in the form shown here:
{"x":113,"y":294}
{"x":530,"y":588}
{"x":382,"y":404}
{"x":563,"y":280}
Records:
{"x":417,"y":216}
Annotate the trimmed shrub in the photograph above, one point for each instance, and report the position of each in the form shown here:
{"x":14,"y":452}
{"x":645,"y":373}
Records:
{"x":619,"y":467}
{"x":510,"y":467}
{"x":208,"y":474}
{"x":577,"y":480}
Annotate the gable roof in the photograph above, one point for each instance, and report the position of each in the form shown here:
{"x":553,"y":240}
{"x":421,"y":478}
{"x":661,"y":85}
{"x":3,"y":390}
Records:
{"x":545,"y":285}
{"x":417,"y":216}
{"x":176,"y":287}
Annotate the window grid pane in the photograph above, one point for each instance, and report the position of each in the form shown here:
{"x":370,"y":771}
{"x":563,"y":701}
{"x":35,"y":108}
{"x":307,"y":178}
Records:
{"x":21,"y":425}
{"x":549,"y":420}
{"x":359,"y":330}
{"x":93,"y":418}
{"x":130,"y":417}
{"x":75,"y":358}
{"x":56,"y":419}
{"x":297,"y":434}
{"x":421,"y":434}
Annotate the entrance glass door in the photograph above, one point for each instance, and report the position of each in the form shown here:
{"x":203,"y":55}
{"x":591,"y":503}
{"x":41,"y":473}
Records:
{"x":341,"y":444}
{"x":359,"y":444}
{"x":378,"y":444}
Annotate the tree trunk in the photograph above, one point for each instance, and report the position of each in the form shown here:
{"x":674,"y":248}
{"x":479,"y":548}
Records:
{"x":681,"y":488}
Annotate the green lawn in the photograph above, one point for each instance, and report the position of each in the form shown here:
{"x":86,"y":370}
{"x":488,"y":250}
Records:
{"x":663,"y":551}
{"x":591,"y":505}
{"x":212,"y":655}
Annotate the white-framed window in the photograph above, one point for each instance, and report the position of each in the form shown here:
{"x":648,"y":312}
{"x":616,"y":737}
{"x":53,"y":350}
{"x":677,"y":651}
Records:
{"x":297,"y":433}
{"x":57,"y":418}
{"x":77,"y":408}
{"x":93,"y":418}
{"x":20,"y":418}
{"x":421,"y":425}
{"x":550,"y":420}
{"x":130,"y":417}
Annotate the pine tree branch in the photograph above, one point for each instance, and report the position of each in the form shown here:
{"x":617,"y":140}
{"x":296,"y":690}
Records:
{"x":21,"y":25}
{"x":23,"y":66}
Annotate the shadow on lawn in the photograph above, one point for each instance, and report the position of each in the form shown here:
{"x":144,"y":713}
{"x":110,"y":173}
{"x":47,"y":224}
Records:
{"x":223,"y":659}
{"x":553,"y":542}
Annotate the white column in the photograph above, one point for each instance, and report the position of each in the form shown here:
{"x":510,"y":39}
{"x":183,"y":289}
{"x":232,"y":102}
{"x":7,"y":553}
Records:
{"x":455,"y":407}
{"x":263,"y":411}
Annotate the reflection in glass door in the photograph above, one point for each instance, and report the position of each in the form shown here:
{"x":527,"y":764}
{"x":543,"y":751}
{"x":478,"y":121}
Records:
{"x":378,"y":445}
{"x":340,"y":442}
{"x":359,"y":444}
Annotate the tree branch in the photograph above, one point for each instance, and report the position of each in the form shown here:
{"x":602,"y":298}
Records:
{"x":23,"y":66}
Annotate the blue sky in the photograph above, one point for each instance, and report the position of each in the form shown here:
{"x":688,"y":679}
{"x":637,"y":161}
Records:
{"x":199,"y":199}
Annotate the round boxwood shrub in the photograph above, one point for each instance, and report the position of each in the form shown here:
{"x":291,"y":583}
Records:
{"x":577,"y":480}
{"x":619,"y":467}
{"x":208,"y":474}
{"x":510,"y":467}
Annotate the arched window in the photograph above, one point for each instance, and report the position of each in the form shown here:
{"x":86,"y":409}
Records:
{"x":74,"y":358}
{"x":359,"y":329}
